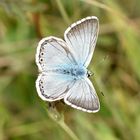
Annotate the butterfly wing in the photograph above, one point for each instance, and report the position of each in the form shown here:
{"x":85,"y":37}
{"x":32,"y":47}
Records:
{"x":52,"y":58}
{"x":53,"y":53}
{"x":82,"y":96}
{"x":81,"y":37}
{"x":53,"y":86}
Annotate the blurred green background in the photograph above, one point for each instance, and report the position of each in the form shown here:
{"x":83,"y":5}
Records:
{"x":24,"y":116}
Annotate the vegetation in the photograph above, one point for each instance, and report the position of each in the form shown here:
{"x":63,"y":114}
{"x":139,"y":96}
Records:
{"x":116,"y":67}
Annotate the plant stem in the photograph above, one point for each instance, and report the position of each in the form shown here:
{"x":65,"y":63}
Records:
{"x":59,"y":119}
{"x":63,"y":12}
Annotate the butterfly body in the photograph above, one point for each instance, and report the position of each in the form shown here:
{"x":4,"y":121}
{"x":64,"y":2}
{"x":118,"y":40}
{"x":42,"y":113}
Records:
{"x":74,"y":71}
{"x":63,"y":66}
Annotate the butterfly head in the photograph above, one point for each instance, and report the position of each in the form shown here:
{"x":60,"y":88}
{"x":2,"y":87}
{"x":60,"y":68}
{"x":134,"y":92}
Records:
{"x":89,"y":73}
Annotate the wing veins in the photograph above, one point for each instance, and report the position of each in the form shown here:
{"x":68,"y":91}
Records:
{"x":93,"y":44}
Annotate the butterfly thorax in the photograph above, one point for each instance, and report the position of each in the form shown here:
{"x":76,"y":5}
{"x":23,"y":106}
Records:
{"x":76,"y":71}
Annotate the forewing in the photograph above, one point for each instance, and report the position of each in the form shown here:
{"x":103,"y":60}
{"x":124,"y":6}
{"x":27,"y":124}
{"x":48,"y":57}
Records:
{"x":53,"y":53}
{"x":82,"y":96}
{"x":53,"y":86}
{"x":81,"y":36}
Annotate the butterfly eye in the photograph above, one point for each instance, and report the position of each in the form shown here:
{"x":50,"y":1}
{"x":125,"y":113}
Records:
{"x":89,"y":74}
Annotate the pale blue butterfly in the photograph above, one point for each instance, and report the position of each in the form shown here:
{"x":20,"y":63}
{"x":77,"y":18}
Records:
{"x":63,"y":66}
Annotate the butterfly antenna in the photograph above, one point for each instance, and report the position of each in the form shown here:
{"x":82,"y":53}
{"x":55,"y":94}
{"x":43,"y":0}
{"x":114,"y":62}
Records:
{"x":89,"y":74}
{"x":105,"y":58}
{"x":102,"y":93}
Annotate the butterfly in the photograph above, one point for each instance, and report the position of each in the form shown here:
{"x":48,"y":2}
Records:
{"x":63,"y":66}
